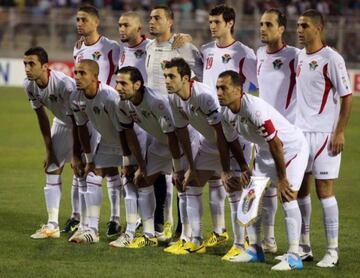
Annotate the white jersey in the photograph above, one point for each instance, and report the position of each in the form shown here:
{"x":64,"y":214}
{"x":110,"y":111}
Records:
{"x":152,"y":114}
{"x":237,"y":57}
{"x":158,"y":53}
{"x":201,"y":110}
{"x":321,"y":80}
{"x":277,"y":79}
{"x":135,"y":57}
{"x":100,"y":110}
{"x":106,"y":53}
{"x":55,"y":96}
{"x":259,"y":122}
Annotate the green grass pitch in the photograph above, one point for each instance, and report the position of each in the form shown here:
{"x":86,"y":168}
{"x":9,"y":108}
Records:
{"x":22,"y":210}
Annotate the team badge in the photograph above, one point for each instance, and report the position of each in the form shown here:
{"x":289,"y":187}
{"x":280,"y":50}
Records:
{"x":53,"y":98}
{"x":277,"y":64}
{"x":96,"y":110}
{"x":226,"y":58}
{"x":313,"y":65}
{"x":139,"y":53}
{"x":96,"y":55}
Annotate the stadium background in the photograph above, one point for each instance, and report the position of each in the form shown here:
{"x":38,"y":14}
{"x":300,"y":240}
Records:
{"x":51,"y":24}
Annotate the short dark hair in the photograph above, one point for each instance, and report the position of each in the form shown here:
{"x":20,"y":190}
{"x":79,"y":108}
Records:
{"x":235,"y":77}
{"x":168,"y":11}
{"x":281,"y":17}
{"x":315,"y":16}
{"x":90,"y":10}
{"x":39,"y":52}
{"x":181,"y":65}
{"x":228,"y":14}
{"x":135,"y":74}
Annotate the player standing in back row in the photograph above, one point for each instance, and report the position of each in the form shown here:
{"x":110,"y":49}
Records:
{"x":324,"y":103}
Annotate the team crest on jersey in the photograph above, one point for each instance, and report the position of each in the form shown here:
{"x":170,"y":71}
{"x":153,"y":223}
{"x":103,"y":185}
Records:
{"x":250,"y":197}
{"x":226,"y":58}
{"x":53,"y":98}
{"x":313,"y":65}
{"x":139,"y":53}
{"x":96,"y":110}
{"x":277,"y":64}
{"x":96,"y":55}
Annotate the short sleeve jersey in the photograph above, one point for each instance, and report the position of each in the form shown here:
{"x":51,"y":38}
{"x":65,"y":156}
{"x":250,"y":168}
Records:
{"x":277,"y":79}
{"x":55,"y":96}
{"x":237,"y":57}
{"x":258,"y":122}
{"x":135,"y":57}
{"x":153,"y":115}
{"x":321,"y":80}
{"x":158,"y":53}
{"x":106,"y":53}
{"x":201,"y":110}
{"x":100,"y":111}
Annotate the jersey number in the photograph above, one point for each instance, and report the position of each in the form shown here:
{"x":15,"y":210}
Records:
{"x":209,"y":62}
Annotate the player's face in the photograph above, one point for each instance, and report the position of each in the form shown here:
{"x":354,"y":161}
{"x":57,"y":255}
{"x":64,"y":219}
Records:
{"x":86,"y":23}
{"x":83,"y":76}
{"x":33,"y":67}
{"x":270,"y":31}
{"x":128,"y":28}
{"x":307,"y":31}
{"x":159,"y":23}
{"x":226,"y":92}
{"x":218,"y":26}
{"x":173,"y":80}
{"x":124,"y":86}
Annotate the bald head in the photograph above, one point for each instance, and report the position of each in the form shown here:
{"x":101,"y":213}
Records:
{"x":91,"y":65}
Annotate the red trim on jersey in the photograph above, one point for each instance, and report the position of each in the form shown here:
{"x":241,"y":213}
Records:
{"x":143,"y":38}
{"x":94,"y":42}
{"x":310,"y":53}
{"x":218,"y":46}
{"x":288,"y":163}
{"x":111,"y":69}
{"x":292,"y":82}
{"x":276,"y":51}
{"x":322,"y":148}
{"x":327,"y":88}
{"x":241,"y":65}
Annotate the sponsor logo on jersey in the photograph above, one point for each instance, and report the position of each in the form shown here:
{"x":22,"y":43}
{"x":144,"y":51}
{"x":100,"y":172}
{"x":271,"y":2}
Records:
{"x":53,"y":98}
{"x":226,"y":58}
{"x":249,"y":199}
{"x":277,"y":64}
{"x":96,"y":110}
{"x":313,"y":65}
{"x":96,"y":55}
{"x":139,"y":53}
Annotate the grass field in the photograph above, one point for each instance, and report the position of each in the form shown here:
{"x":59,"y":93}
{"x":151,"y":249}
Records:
{"x":22,"y":210}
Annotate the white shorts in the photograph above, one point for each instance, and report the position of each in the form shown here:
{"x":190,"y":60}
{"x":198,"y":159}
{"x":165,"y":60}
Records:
{"x":107,"y":155}
{"x":295,"y":165}
{"x":62,"y":143}
{"x":322,"y":163}
{"x":158,"y":158}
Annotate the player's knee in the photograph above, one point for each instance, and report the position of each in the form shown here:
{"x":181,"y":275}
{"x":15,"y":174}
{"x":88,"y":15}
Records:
{"x":324,"y":188}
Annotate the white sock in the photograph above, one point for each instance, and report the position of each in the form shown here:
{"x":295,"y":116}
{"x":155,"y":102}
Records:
{"x":147,"y":203}
{"x":131,"y":207}
{"x":113,"y":187}
{"x":217,"y":205}
{"x":331,"y":221}
{"x":254,"y":233}
{"x":75,"y":199}
{"x":82,"y":191}
{"x":305,"y":209}
{"x":194,"y":209}
{"x":168,"y":216}
{"x":52,"y":192}
{"x":93,"y":199}
{"x":270,"y":204}
{"x":292,"y":225}
{"x":238,"y":231}
{"x":186,"y":228}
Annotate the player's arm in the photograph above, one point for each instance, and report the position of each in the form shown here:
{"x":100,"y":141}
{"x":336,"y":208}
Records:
{"x":338,"y":138}
{"x":44,"y":125}
{"x":237,"y":151}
